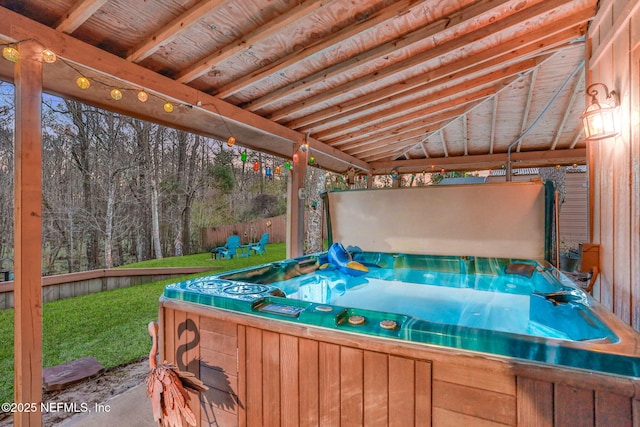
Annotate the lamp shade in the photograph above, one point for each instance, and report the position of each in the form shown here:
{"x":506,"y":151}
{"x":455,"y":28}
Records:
{"x":599,"y":119}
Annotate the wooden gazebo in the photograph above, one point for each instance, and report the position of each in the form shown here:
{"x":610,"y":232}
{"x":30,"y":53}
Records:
{"x":372,"y":86}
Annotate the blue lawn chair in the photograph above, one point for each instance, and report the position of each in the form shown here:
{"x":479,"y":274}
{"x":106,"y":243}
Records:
{"x":259,"y":248}
{"x":229,"y":250}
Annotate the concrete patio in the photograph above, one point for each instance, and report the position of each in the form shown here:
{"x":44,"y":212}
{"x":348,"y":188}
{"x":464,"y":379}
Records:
{"x":131,"y":408}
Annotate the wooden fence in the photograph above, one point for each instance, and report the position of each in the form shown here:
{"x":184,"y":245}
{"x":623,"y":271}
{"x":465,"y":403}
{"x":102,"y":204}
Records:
{"x":249,"y":231}
{"x":70,"y":285}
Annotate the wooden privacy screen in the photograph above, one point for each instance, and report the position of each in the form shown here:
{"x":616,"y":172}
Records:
{"x":489,"y":220}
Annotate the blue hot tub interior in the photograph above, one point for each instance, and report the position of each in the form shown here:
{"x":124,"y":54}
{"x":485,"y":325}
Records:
{"x":509,"y":307}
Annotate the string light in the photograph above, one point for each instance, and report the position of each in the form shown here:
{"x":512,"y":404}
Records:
{"x":48,"y":56}
{"x":116,"y":94}
{"x":305,"y":145}
{"x":143,"y":96}
{"x":243,"y":156}
{"x":11,"y":54}
{"x":232,"y":139}
{"x":256,"y":166}
{"x":83,"y":82}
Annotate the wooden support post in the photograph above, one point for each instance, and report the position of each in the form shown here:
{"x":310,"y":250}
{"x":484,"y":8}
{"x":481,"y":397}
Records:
{"x":28,"y":233}
{"x":295,"y":204}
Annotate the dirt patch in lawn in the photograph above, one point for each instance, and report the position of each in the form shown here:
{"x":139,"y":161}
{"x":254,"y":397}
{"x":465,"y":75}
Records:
{"x":89,"y":392}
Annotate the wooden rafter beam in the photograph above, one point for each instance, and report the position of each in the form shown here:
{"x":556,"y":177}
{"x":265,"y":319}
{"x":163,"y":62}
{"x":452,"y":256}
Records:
{"x":484,"y":161}
{"x":407,"y":137}
{"x":465,"y":134}
{"x":15,"y":27}
{"x":543,"y":40}
{"x":415,"y":118}
{"x":78,"y":14}
{"x":462,"y":41}
{"x":449,"y":23}
{"x":369,"y":24}
{"x":577,"y":89}
{"x":494,"y":115}
{"x":456,"y":87}
{"x":172,"y":30}
{"x":201,"y":67}
{"x":423,"y":146}
{"x":577,"y":138}
{"x":527,"y":103}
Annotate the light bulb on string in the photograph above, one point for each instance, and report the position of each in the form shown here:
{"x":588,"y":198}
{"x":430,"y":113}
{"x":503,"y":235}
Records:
{"x":116,"y":94}
{"x":256,"y":166}
{"x":267,"y":171}
{"x":287,"y":165}
{"x":48,"y":56}
{"x":295,"y":158}
{"x":243,"y":156}
{"x":11,"y":54}
{"x":231,"y":140}
{"x":305,"y":145}
{"x":168,"y":107}
{"x":143,"y":96}
{"x":83,"y":82}
{"x":312,"y":160}
{"x":277,"y":170}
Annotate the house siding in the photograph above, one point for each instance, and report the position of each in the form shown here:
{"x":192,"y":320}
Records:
{"x":613,"y":58}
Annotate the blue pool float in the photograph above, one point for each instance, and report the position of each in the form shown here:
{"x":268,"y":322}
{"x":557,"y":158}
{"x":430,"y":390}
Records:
{"x":340,"y":258}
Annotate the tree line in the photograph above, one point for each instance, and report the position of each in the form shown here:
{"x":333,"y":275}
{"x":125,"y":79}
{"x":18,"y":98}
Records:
{"x":118,"y":190}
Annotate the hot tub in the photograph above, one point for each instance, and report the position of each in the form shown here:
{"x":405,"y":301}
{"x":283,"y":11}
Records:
{"x":460,"y":320}
{"x":488,"y":305}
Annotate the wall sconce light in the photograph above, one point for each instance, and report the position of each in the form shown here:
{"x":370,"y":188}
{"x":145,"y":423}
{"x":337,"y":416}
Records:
{"x":599,"y":117}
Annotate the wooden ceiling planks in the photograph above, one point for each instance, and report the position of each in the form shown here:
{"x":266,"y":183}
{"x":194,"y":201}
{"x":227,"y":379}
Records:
{"x":377,"y":80}
{"x":78,"y":14}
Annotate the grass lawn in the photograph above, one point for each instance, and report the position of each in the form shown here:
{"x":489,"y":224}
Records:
{"x":110,"y":326}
